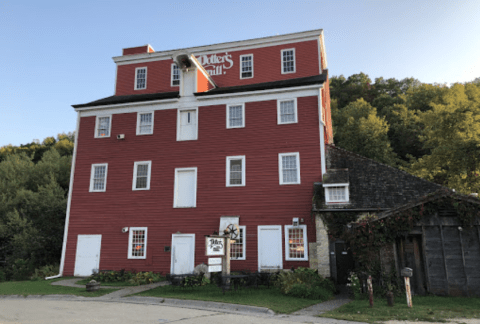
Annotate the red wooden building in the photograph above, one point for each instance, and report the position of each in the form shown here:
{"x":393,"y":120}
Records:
{"x":196,"y":139}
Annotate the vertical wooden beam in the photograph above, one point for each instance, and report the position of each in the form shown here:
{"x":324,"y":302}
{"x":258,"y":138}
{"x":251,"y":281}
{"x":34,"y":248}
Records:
{"x":444,"y":259}
{"x":425,"y":260}
{"x":463,"y":259}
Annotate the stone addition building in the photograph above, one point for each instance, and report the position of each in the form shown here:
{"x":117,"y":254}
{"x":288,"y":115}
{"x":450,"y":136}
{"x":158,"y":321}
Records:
{"x":354,"y":186}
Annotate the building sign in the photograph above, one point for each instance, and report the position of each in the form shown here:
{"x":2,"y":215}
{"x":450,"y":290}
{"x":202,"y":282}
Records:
{"x":214,"y":261}
{"x":215,"y":268}
{"x":214,"y":246}
{"x":216,"y":64}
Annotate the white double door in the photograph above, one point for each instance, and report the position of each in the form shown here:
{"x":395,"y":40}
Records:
{"x":270,"y":247}
{"x":183,"y":253}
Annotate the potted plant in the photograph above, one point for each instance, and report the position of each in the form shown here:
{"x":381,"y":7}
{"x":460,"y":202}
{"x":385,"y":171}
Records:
{"x":93,"y":285}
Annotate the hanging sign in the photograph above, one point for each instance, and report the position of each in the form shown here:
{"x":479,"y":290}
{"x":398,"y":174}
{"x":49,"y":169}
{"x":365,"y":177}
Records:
{"x":214,"y":261}
{"x":214,"y":246}
{"x":215,"y":268}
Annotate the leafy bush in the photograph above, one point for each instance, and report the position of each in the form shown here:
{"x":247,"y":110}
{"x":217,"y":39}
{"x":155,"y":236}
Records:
{"x":139,"y":278}
{"x":45,"y":271}
{"x":21,"y":270}
{"x":305,"y":283}
{"x":354,"y":285}
{"x":3,"y":276}
{"x":143,"y":278}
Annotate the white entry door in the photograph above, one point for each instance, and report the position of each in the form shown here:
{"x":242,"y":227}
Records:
{"x":270,"y":247}
{"x":183,"y":253}
{"x":87,"y":259}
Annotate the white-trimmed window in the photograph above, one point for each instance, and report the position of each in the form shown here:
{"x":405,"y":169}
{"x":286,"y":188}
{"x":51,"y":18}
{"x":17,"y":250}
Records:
{"x":287,"y":111}
{"x":103,"y":125}
{"x":237,"y":249}
{"x":246,"y":66}
{"x":235,"y":171}
{"x":145,"y":123}
{"x":336,"y":193}
{"x":175,"y":75}
{"x":296,"y":247}
{"x":289,"y":168}
{"x":236,"y":116}
{"x":288,"y":61}
{"x":137,"y":243}
{"x":141,"y":175}
{"x":185,"y":194}
{"x":98,"y":177}
{"x":141,"y":78}
{"x":187,"y":124}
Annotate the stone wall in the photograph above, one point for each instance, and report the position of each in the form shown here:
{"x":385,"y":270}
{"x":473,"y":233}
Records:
{"x":319,"y":251}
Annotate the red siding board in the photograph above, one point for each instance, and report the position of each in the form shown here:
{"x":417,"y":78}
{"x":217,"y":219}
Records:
{"x":261,"y":202}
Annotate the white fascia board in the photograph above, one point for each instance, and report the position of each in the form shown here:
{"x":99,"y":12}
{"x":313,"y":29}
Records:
{"x":336,"y":185}
{"x":127,"y":104}
{"x":261,"y":92}
{"x":222,"y":47}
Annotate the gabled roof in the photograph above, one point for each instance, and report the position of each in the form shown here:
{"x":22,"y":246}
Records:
{"x":113,"y":100}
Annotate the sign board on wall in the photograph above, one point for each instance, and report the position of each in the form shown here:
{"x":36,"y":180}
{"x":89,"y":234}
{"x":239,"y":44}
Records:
{"x":215,"y":268}
{"x":214,"y":261}
{"x":214,"y":246}
{"x":216,"y":64}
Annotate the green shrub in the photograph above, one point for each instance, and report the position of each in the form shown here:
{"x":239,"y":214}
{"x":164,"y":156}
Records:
{"x":143,"y":278}
{"x":3,"y":276}
{"x":45,"y":271}
{"x":21,"y":270}
{"x":305,"y":283}
{"x":139,"y":278}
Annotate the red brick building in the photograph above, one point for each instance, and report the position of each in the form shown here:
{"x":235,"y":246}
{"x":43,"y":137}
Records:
{"x":196,"y":139}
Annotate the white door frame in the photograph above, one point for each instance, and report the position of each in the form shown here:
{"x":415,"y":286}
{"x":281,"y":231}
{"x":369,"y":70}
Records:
{"x":172,"y":253}
{"x":279,"y":228}
{"x":76,"y":250}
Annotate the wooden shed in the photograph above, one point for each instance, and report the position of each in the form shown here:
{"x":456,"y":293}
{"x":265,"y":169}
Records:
{"x":443,"y":248}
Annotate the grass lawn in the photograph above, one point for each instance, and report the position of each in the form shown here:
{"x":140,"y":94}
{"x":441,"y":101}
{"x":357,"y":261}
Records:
{"x":262,"y":297}
{"x":425,"y":308}
{"x":44,"y":287}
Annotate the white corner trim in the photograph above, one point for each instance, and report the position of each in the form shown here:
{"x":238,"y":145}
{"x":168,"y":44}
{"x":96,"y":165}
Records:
{"x":305,"y":243}
{"x":227,"y":178}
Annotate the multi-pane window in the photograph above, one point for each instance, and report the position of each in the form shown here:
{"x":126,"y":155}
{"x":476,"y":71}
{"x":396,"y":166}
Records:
{"x":141,"y":175}
{"x":288,"y":61}
{"x":246,"y":66}
{"x":175,"y":75}
{"x":98,"y":178}
{"x":235,"y":116}
{"x":289,"y":168}
{"x":235,"y":171}
{"x":237,"y":248}
{"x":145,"y":123}
{"x":287,"y":111}
{"x":336,"y":193}
{"x":296,"y":242}
{"x":102,"y":128}
{"x":140,"y":78}
{"x":137,"y":243}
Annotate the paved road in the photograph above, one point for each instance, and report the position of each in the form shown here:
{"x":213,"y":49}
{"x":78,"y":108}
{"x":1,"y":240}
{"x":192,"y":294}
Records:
{"x":61,"y":310}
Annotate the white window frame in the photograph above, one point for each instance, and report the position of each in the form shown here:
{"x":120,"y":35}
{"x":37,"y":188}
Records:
{"x":280,"y":169}
{"x":279,"y":111}
{"x":243,"y":115}
{"x":294,"y":60}
{"x":130,"y":238}
{"x":171,"y":75}
{"x":241,"y":66}
{"x":237,"y":157}
{"x":244,"y":244}
{"x":92,"y":173}
{"x":287,"y":243}
{"x":97,"y":124}
{"x":179,"y":122}
{"x":175,"y":197}
{"x":327,"y":193}
{"x":136,"y":78}
{"x":138,"y":121}
{"x":149,"y":175}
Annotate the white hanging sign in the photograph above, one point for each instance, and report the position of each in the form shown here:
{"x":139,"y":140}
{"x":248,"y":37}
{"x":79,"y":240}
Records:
{"x":215,"y":268}
{"x":214,"y":261}
{"x":214,"y":246}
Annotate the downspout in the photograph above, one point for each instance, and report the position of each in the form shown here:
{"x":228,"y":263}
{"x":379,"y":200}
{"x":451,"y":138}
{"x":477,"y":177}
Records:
{"x":322,"y":133}
{"x":67,"y":218}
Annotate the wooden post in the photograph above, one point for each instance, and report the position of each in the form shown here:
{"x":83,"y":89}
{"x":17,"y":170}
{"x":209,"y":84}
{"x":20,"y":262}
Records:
{"x":370,"y":290}
{"x":226,"y":260}
{"x":407,"y":289}
{"x":447,"y":286}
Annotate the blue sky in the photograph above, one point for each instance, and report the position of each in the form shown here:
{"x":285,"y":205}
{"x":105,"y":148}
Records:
{"x":57,"y":53}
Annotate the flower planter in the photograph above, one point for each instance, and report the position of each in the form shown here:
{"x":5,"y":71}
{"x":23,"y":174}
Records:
{"x":93,"y":286}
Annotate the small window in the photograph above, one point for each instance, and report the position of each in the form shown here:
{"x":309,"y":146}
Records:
{"x":98,"y":178}
{"x":288,"y":61}
{"x":145,"y":123}
{"x":287,"y":111}
{"x":237,"y":249}
{"x":246,"y":66}
{"x":140,"y":78}
{"x":236,"y":116}
{"x":289,"y":168}
{"x":175,"y":75}
{"x":141,"y":175}
{"x":235,"y":171}
{"x":137,"y":243}
{"x":103,"y":126}
{"x":185,"y":194}
{"x":337,"y":193}
{"x":187,"y":125}
{"x":296,"y":243}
